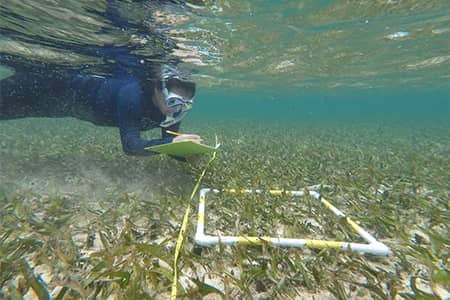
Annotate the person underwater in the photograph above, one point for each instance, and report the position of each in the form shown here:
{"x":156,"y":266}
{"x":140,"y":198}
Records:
{"x":124,"y":101}
{"x":136,"y":94}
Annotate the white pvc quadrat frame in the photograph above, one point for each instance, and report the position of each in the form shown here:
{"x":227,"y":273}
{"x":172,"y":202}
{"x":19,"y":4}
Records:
{"x":373,"y":246}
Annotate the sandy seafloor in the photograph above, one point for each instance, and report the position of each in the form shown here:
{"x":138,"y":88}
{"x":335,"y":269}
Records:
{"x":66,"y":187}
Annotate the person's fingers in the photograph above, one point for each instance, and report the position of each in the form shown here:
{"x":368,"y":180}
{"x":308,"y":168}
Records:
{"x":187,"y":137}
{"x":192,"y":136}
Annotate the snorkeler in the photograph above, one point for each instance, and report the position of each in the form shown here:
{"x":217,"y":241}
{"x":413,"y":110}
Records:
{"x":126,"y":102}
{"x":133,"y":96}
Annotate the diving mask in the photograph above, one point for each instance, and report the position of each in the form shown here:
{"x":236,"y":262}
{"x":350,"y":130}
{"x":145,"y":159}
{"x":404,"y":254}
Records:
{"x":177,"y":106}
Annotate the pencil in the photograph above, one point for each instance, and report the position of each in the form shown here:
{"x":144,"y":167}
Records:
{"x":173,"y":132}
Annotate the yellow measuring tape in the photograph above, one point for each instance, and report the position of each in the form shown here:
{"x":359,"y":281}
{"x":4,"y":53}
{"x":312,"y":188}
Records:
{"x":182,"y":232}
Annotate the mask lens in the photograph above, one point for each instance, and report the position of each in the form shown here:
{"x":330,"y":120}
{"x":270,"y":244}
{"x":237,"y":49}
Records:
{"x":174,"y":101}
{"x":178,"y":108}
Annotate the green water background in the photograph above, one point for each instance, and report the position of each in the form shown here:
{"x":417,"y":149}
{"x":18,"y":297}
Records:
{"x":389,"y":105}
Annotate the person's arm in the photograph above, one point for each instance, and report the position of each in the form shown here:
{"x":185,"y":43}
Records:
{"x":129,"y":108}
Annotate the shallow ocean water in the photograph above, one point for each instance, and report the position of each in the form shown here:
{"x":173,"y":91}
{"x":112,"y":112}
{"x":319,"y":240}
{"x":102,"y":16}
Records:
{"x":354,"y":95}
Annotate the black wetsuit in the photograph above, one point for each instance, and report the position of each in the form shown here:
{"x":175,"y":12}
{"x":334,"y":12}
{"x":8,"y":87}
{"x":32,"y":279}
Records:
{"x":117,"y":100}
{"x":121,"y":101}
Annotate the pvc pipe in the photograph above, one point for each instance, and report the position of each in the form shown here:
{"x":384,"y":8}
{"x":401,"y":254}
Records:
{"x":373,"y":246}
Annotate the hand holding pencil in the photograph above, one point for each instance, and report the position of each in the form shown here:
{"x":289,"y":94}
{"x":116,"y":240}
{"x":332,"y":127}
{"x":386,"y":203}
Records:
{"x":185,"y":137}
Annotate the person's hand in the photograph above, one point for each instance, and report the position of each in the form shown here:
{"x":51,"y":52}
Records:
{"x":187,"y":137}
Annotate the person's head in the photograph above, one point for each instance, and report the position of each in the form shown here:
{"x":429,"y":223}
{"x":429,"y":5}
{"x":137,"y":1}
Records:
{"x":174,"y":96}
